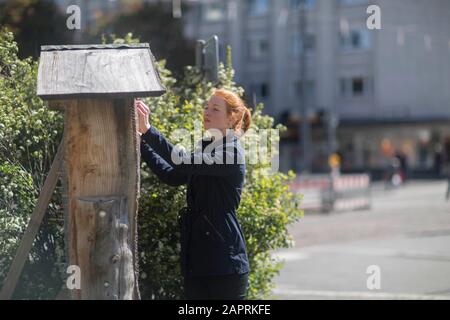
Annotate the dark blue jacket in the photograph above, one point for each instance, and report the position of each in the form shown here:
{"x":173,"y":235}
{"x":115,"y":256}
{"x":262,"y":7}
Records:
{"x":212,"y":242}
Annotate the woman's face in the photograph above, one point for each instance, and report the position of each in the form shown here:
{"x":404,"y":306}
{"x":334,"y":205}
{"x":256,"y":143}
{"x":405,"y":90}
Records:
{"x":215,"y":115}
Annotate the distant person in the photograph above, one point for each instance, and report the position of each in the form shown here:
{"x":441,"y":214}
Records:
{"x":447,"y":196}
{"x":392,"y":174}
{"x":403,"y":170}
{"x":438,"y":157}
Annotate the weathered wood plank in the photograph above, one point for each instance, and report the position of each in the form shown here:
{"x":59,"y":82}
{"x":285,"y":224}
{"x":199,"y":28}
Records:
{"x":95,"y":73}
{"x":33,"y":226}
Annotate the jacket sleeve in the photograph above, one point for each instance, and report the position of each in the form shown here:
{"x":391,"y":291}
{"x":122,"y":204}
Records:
{"x":222,"y":163}
{"x":164,"y":171}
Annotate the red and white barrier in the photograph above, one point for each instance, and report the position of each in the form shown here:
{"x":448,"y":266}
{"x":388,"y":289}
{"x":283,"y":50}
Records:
{"x":347,"y":182}
{"x":343,"y":192}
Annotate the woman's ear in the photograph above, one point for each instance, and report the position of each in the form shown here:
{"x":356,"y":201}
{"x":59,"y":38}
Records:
{"x":230,"y":122}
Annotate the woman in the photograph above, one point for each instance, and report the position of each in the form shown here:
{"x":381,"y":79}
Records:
{"x":214,"y":260}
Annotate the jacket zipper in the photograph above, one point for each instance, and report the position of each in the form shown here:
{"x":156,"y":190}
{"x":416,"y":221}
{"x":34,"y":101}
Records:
{"x":214,"y":229}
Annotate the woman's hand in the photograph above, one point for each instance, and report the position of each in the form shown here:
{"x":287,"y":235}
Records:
{"x":143,"y":113}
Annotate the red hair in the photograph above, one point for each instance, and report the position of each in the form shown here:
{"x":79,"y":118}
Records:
{"x":240,"y":114}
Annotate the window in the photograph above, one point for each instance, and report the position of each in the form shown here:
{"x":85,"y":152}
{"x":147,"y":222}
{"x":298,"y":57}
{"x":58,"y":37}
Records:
{"x":357,"y":86}
{"x":354,"y":87}
{"x":258,"y":48}
{"x":306,"y":4}
{"x":258,"y":8}
{"x":264,"y":90}
{"x":214,"y":11}
{"x":297,"y":46}
{"x":356,"y":39}
{"x":307,"y":91}
{"x":260,"y":90}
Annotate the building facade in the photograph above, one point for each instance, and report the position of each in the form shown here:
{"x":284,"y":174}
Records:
{"x":387,"y":87}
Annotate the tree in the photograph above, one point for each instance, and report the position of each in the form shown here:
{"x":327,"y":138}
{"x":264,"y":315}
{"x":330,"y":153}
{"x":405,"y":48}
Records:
{"x":34,"y":23}
{"x":153,"y":23}
{"x":29,"y":136}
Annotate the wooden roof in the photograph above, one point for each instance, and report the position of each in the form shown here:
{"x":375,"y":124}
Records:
{"x":98,"y":71}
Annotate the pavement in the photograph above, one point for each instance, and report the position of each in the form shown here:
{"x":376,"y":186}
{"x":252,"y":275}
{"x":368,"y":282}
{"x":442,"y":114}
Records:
{"x":405,"y":236}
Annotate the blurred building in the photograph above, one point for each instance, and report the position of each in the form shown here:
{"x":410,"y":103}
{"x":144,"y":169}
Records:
{"x":389,"y":87}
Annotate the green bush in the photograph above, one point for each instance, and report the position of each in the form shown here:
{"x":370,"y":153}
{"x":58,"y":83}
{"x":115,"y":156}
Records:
{"x":29,"y":136}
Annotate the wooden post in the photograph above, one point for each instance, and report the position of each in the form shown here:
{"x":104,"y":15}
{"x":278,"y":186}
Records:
{"x":102,"y":163}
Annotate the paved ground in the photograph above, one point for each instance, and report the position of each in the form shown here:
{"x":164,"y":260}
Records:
{"x":406,"y":234}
